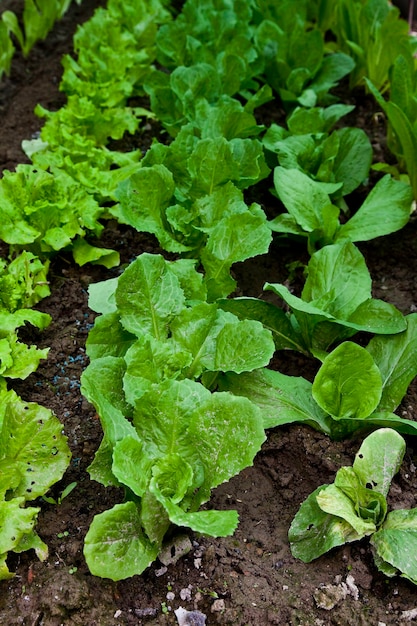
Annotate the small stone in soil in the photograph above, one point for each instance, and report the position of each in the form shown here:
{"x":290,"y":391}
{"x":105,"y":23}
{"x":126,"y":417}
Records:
{"x":190,"y":618}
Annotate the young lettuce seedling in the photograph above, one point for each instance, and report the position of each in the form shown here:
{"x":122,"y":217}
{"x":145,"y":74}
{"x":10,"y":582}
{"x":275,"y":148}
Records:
{"x":355,"y":506}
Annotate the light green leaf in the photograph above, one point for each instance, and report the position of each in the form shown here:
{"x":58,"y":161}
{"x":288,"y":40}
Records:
{"x":314,"y":532}
{"x":243,"y":346}
{"x":336,"y":503}
{"x":108,"y":337}
{"x":238,"y":237}
{"x":386,"y":209}
{"x":212,"y":523}
{"x":212,"y":164}
{"x":369,"y":503}
{"x":15,"y":523}
{"x":131,"y":465}
{"x":148,"y":296}
{"x":172,"y":477}
{"x":348,"y":384}
{"x":150,"y":361}
{"x":115,"y":546}
{"x":31,"y":440}
{"x":101,"y":296}
{"x":379,"y":458}
{"x":144,"y":199}
{"x":84,"y":252}
{"x":17,"y":359}
{"x":102,"y":385}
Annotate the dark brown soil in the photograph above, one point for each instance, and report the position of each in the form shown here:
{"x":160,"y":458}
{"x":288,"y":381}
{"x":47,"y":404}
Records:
{"x":251,"y":578}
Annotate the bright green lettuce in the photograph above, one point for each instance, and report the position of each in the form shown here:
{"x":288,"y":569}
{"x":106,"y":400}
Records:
{"x":343,"y":157}
{"x":33,"y":456}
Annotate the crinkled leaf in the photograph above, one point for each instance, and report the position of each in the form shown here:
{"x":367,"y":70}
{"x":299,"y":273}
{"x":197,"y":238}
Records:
{"x":31,"y":440}
{"x":272,"y":317}
{"x":148,"y":296}
{"x":149,"y":361}
{"x":238,"y":237}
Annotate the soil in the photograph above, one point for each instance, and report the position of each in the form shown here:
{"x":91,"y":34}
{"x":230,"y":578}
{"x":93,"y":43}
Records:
{"x":244,"y":580}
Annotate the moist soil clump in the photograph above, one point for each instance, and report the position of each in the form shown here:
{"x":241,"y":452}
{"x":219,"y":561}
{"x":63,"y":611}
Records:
{"x":250,"y":578}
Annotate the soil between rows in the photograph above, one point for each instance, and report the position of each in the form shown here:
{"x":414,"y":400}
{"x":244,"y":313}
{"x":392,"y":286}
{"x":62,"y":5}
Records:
{"x":245,"y":580}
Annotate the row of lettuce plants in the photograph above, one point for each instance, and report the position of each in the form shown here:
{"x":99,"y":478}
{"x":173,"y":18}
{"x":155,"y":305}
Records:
{"x":38,"y":18}
{"x":33,"y":450}
{"x":187,"y":365}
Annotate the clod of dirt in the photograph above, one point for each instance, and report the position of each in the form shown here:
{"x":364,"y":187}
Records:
{"x":328,"y":596}
{"x":189,"y":618}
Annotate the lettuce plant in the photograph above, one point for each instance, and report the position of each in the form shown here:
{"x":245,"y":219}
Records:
{"x":156,"y":352}
{"x":23,"y":282}
{"x":43,"y":213}
{"x":297,"y":64}
{"x":33,"y":456}
{"x":312,"y":214}
{"x":355,"y":388}
{"x":355,"y":506}
{"x":189,"y":194}
{"x":39,"y":16}
{"x":340,"y":160}
{"x":400,"y":110}
{"x":372,"y":33}
{"x":335,"y":303}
